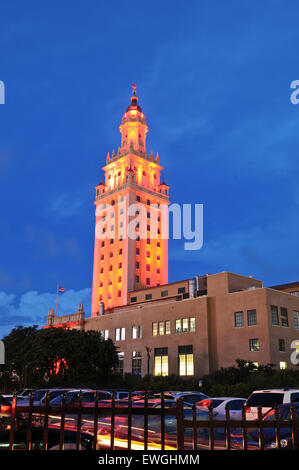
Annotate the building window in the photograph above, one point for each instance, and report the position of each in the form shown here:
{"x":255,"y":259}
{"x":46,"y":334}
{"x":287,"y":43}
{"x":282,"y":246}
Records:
{"x":178,"y":326}
{"x":164,"y":293}
{"x":155,"y":329}
{"x":148,"y":267}
{"x":133,"y":299}
{"x":105,"y":334}
{"x":147,"y":281}
{"x":138,"y":198}
{"x":103,"y":244}
{"x":148,"y":296}
{"x":274,"y":315}
{"x":136,"y":363}
{"x":295,"y":292}
{"x":148,"y":254}
{"x":185,"y":322}
{"x":102,"y":257}
{"x":161,"y":328}
{"x":148,"y":241}
{"x":137,"y":279}
{"x":192,"y":325}
{"x":137,"y":251}
{"x":254,"y":344}
{"x":281,"y":345}
{"x":111,"y":255}
{"x":117,"y":334}
{"x":296,"y":319}
{"x":120,"y":365}
{"x":136,"y":332}
{"x":137,"y":265}
{"x":239,"y":319}
{"x":186,"y":362}
{"x":181,"y":290}
{"x":251,"y":317}
{"x":161,"y":361}
{"x":282,"y":365}
{"x":123,"y":334}
{"x":284,"y":316}
{"x":111,"y":241}
{"x":167,"y":327}
{"x":120,"y":265}
{"x":119,"y":293}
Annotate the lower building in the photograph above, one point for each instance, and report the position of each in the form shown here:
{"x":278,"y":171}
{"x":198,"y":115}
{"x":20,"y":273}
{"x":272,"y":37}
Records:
{"x":195,"y":326}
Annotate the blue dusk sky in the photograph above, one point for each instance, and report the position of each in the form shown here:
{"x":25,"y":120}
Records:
{"x":213,"y":80}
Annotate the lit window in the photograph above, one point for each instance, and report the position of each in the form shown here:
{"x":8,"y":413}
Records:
{"x":161,"y":328}
{"x":282,"y":365}
{"x":185,"y":325}
{"x":186,"y":362}
{"x":178,"y":326}
{"x":161,"y":362}
{"x":117,"y":334}
{"x":167,"y":327}
{"x":123,"y":334}
{"x":192,"y":324}
{"x":134,"y":332}
{"x":155,"y":329}
{"x":254,"y":345}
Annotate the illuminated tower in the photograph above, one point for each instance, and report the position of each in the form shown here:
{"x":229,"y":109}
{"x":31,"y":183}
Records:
{"x":133,"y":199}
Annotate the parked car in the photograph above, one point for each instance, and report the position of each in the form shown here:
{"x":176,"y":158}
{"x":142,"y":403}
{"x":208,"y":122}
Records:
{"x":37,"y":433}
{"x":269,"y":434}
{"x":39,"y":396}
{"x":189,"y":398}
{"x":267,"y":399}
{"x":219,"y":405}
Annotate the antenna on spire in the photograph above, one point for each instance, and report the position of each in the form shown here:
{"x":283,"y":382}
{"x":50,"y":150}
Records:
{"x":134,"y":87}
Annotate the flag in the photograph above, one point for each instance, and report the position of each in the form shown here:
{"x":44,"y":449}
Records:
{"x":61,"y":290}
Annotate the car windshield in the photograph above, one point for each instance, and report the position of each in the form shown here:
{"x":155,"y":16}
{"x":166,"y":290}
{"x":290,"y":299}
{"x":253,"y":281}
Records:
{"x":265,"y":399}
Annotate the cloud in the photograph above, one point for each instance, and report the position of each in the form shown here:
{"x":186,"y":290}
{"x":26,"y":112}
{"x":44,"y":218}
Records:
{"x":66,"y":205}
{"x":32,"y":307}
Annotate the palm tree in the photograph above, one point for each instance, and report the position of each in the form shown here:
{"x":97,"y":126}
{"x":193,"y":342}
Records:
{"x":148,"y":351}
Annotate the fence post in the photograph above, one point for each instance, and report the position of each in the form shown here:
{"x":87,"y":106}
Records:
{"x":244,"y":426}
{"x":194,"y":427}
{"x":95,"y":422}
{"x":180,"y":423}
{"x":13,"y":421}
{"x":46,"y":421}
{"x":293,"y":422}
{"x":261,"y":430}
{"x":145,"y":420}
{"x":29,"y":424}
{"x":277,"y":426}
{"x":228,"y":436}
{"x":211,"y":428}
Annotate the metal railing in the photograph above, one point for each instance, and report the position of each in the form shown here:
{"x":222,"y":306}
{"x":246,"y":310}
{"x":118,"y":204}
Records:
{"x":114,"y":410}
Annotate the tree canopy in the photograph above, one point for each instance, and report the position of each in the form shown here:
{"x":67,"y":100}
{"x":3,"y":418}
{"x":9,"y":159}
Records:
{"x":58,"y":356}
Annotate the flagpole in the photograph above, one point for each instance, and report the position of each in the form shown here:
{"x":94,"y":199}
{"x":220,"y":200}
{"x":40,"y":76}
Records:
{"x":56,"y":298}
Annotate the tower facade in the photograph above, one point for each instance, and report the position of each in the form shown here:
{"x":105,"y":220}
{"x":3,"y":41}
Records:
{"x":131,"y":235}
